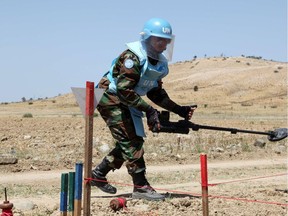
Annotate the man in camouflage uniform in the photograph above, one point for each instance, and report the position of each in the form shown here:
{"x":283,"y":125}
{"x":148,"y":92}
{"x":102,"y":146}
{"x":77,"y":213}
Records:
{"x":136,"y":72}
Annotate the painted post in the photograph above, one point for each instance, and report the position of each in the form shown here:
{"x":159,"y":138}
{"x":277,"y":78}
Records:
{"x":64,"y":194}
{"x":204,"y":181}
{"x":71,"y":180}
{"x":78,"y":189}
{"x":88,"y":146}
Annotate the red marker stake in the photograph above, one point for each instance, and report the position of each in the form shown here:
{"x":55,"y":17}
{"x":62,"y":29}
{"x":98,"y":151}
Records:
{"x":88,"y":146}
{"x":204,"y":182}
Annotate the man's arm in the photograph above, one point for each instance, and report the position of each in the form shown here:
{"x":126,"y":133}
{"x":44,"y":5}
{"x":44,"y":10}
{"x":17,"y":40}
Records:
{"x":160,"y":97}
{"x":128,"y":70}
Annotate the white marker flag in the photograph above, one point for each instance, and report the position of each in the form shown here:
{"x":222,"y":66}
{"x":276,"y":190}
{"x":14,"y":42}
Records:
{"x":80,"y":95}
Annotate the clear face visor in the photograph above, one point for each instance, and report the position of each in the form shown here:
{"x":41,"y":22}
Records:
{"x":156,"y":47}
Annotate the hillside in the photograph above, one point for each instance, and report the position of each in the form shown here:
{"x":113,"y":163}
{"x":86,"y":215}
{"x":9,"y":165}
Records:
{"x":227,"y":83}
{"x":220,"y":85}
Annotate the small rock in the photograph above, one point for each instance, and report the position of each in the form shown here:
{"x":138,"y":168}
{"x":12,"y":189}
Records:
{"x":104,"y":148}
{"x":24,"y":205}
{"x":4,"y":139}
{"x":178,"y":156}
{"x":260,"y":143}
{"x":163,"y":149}
{"x":218,"y":149}
{"x":33,"y":167}
{"x":154,"y":154}
{"x":26,"y":137}
{"x":280,"y":149}
{"x":8,"y":160}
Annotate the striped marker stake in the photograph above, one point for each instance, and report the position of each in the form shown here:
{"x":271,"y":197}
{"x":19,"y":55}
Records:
{"x":71,"y":189}
{"x":64,"y":194}
{"x":78,"y":189}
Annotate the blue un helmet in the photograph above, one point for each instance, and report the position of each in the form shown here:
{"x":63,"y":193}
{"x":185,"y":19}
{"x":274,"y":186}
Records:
{"x":160,"y":28}
{"x":157,"y":27}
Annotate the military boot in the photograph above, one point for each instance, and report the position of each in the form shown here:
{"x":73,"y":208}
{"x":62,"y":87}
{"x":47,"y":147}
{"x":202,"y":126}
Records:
{"x":143,"y":190}
{"x":99,"y":173}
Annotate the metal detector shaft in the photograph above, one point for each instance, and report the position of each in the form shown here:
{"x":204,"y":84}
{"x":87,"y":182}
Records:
{"x":276,"y":135}
{"x":196,"y":127}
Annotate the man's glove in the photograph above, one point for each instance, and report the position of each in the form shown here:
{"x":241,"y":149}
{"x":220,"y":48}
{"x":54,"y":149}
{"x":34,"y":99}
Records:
{"x":183,"y":111}
{"x":152,"y":118}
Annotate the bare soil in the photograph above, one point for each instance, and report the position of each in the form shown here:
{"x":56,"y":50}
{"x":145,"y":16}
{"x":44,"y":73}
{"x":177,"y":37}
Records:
{"x":231,"y":92}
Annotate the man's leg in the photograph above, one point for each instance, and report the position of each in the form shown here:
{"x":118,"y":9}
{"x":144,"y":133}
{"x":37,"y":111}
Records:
{"x":142,"y":188}
{"x":99,"y":174}
{"x":112,"y":161}
{"x":114,"y":117}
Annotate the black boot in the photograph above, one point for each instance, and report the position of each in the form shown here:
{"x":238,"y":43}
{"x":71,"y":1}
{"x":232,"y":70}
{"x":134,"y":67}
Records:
{"x":142,"y":189}
{"x":99,"y":173}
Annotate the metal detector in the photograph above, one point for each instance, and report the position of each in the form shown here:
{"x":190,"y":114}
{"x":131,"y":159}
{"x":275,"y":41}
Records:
{"x":184,"y":126}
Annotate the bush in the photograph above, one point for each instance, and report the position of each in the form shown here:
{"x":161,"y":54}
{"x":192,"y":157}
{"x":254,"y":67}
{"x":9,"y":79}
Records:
{"x":247,"y":104}
{"x":28,"y":115}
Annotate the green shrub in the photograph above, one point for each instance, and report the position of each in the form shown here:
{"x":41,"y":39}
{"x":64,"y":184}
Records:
{"x":28,"y":115}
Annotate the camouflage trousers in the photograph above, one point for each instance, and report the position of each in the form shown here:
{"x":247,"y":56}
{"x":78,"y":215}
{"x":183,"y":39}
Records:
{"x":128,"y":146}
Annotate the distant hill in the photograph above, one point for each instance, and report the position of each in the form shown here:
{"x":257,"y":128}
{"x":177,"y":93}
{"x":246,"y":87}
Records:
{"x":224,"y":81}
{"x":215,"y":84}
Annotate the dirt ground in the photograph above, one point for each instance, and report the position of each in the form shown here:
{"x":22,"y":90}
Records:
{"x":244,"y":179}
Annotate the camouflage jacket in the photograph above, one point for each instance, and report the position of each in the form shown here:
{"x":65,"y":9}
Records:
{"x":127,"y":79}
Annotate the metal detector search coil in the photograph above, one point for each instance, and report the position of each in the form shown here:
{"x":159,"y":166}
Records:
{"x":278,"y":134}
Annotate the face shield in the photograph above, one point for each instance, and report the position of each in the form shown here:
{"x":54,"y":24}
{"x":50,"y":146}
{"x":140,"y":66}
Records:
{"x":157,"y":47}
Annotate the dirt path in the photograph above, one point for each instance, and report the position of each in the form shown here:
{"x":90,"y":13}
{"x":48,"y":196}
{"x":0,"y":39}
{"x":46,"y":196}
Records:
{"x":182,"y":182}
{"x":54,"y":175}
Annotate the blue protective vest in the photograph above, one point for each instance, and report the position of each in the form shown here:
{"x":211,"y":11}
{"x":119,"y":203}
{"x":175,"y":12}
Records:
{"x":150,"y":74}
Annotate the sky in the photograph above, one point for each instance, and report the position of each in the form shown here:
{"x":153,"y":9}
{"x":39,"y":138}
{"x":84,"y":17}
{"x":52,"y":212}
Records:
{"x":49,"y":46}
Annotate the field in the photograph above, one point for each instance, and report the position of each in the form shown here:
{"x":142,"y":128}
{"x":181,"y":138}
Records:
{"x":47,"y":137}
